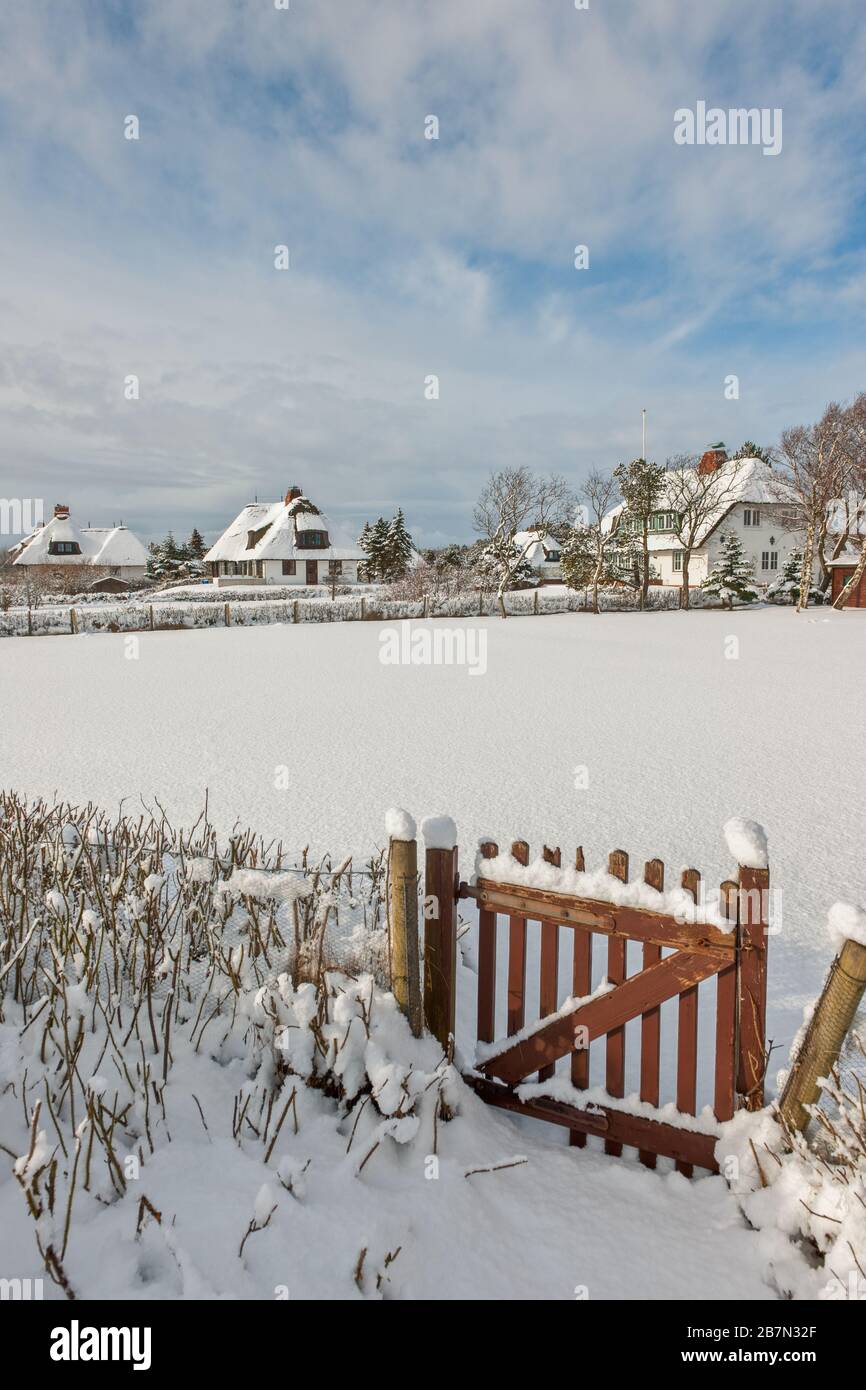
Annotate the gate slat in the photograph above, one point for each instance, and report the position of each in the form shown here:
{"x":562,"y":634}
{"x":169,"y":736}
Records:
{"x":516,"y":973}
{"x":517,"y":955}
{"x":617,"y":867}
{"x":549,"y":965}
{"x":581,"y":986}
{"x":650,"y":1023}
{"x":726,"y":1018}
{"x":487,"y":962}
{"x":687,"y":1035}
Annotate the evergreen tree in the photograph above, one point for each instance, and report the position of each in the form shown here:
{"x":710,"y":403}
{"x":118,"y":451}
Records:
{"x":373,"y":540}
{"x":398,"y":547}
{"x":195,"y":546}
{"x":731,"y":576}
{"x":751,"y":450}
{"x":640,"y":484}
{"x":577,"y":558}
{"x":786,"y":588}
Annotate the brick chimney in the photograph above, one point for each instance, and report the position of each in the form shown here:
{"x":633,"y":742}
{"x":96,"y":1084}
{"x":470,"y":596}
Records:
{"x":293,"y":492}
{"x":713,"y":459}
{"x":61,"y":510}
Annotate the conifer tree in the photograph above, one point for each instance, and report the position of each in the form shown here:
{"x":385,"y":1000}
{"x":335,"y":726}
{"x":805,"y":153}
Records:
{"x":373,"y":540}
{"x":731,"y":576}
{"x":640,"y":484}
{"x":398,"y":547}
{"x":195,"y":546}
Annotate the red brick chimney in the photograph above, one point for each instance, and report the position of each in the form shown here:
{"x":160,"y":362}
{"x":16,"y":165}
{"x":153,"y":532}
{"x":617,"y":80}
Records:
{"x":293,"y":492}
{"x":61,"y":510}
{"x":713,"y":459}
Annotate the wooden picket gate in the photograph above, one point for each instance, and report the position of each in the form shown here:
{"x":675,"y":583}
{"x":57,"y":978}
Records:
{"x":737,"y":957}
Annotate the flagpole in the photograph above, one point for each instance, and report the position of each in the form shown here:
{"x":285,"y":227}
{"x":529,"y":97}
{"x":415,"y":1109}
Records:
{"x":643,"y":434}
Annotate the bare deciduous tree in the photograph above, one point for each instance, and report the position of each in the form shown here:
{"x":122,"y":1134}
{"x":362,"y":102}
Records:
{"x":812,"y":475}
{"x":853,"y":449}
{"x":513,"y":500}
{"x":588,"y":547}
{"x":697,"y":500}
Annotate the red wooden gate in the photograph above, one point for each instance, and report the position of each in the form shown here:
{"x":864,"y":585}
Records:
{"x":695,"y":951}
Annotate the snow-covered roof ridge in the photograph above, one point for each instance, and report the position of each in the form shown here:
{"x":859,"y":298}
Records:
{"x":741,"y":480}
{"x":109,"y":546}
{"x":274,"y":528}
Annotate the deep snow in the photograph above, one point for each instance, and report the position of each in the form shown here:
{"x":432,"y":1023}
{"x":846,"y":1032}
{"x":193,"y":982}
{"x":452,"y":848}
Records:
{"x":624,"y":730}
{"x":300,"y":732}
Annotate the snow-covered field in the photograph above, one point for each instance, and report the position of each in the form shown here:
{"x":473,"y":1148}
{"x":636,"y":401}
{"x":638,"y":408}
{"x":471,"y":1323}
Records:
{"x":641,"y":732}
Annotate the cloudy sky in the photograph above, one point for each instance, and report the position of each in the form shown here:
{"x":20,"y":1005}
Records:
{"x":412,"y":257}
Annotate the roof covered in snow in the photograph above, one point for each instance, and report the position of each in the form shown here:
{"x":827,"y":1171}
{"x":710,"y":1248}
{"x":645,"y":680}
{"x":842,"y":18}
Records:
{"x":540,"y":545}
{"x":110,"y":546}
{"x":275,"y":528}
{"x":746,"y":480}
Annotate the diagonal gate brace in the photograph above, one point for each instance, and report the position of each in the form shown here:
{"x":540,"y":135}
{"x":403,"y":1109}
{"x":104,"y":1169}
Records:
{"x":598,"y":1016}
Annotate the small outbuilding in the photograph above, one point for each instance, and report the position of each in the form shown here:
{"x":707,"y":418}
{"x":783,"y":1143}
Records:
{"x":842,"y":570}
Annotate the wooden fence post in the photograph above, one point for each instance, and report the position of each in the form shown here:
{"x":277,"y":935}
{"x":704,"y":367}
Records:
{"x":440,"y":926}
{"x":822,"y":1043}
{"x":753,"y":900}
{"x":535,"y":601}
{"x":363,"y":607}
{"x":488,"y":849}
{"x":150,"y":610}
{"x":227,"y":613}
{"x":73,"y":621}
{"x":403,"y":880}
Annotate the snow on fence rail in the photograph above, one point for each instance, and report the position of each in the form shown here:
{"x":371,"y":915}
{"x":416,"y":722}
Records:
{"x":727,"y":943}
{"x":198,"y":613}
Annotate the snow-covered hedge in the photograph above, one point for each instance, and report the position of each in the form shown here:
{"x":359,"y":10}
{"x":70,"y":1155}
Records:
{"x":311,"y":606}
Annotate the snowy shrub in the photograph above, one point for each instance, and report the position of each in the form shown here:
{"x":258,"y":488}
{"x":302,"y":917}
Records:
{"x":128,"y":950}
{"x":811,"y":1191}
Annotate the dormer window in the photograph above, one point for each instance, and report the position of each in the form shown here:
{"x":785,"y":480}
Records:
{"x":64,"y":548}
{"x":312,"y":540}
{"x":253,"y":537}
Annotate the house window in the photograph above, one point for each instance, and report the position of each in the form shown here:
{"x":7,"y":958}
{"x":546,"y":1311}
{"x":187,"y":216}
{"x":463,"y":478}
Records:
{"x":335,"y":567}
{"x":677,"y":561}
{"x":312,"y":540}
{"x":290,"y":567}
{"x":769,"y":559}
{"x":752,"y":516}
{"x":260,"y":569}
{"x":64,"y":548}
{"x":552,"y":557}
{"x":663,"y":521}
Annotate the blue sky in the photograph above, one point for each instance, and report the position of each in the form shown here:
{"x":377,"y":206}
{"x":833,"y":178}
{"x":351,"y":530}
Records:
{"x":411,"y":257}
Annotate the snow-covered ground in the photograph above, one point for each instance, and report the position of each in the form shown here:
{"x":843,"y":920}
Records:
{"x":641,"y":732}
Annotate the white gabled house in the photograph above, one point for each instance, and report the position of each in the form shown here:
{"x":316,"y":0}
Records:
{"x":111,"y":557}
{"x":752,"y":509}
{"x":287,"y":542}
{"x":543,"y":553}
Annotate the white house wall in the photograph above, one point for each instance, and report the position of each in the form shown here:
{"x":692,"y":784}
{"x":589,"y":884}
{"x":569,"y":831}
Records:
{"x":272,"y":573}
{"x":769,"y":535}
{"x":754,"y":540}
